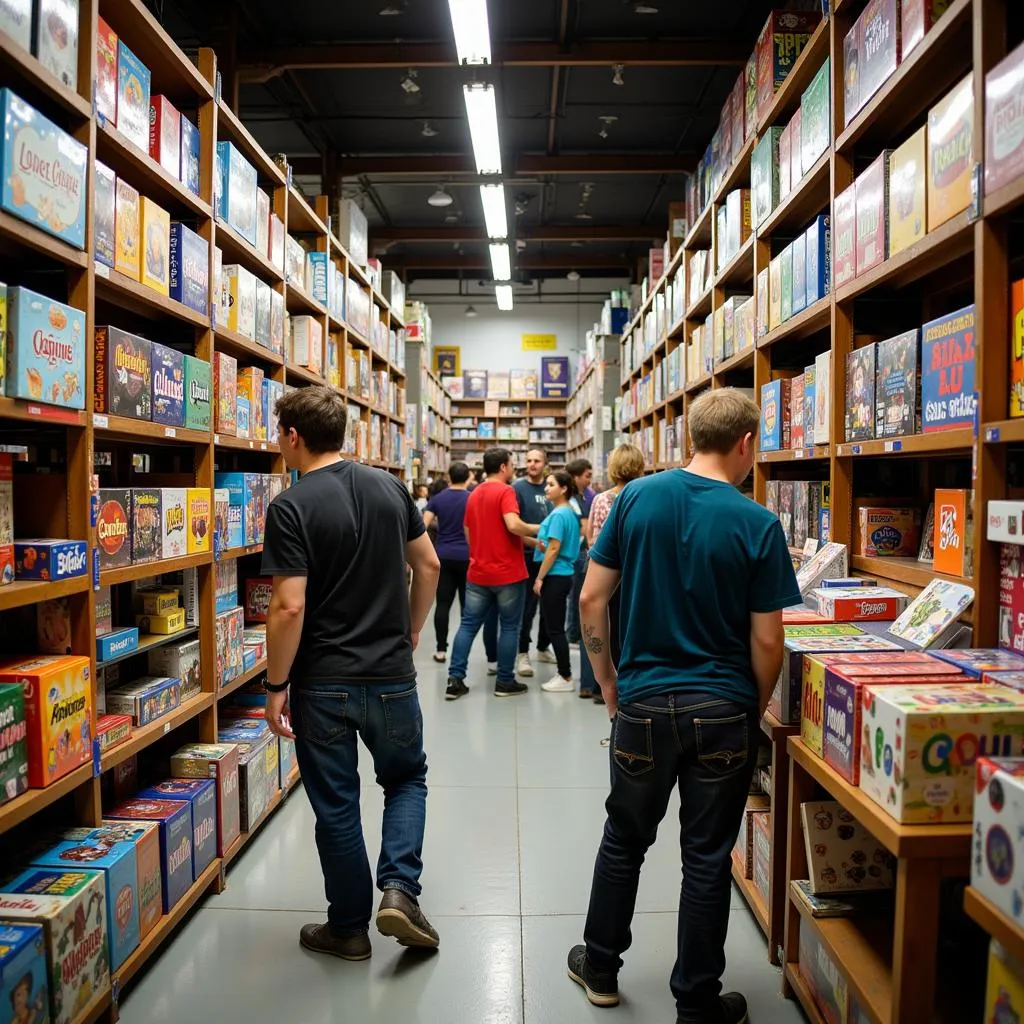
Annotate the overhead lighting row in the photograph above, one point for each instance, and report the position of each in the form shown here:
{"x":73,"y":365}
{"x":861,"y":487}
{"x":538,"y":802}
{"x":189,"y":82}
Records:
{"x":473,"y":47}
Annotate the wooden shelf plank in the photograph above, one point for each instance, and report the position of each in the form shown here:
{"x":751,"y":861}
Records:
{"x":14,"y":229}
{"x":807,"y":65}
{"x":810,"y":454}
{"x":229,"y":127}
{"x":816,"y":317}
{"x":27,"y":70}
{"x":700,"y":307}
{"x":905,"y":570}
{"x":750,"y":893}
{"x":807,"y":200}
{"x":240,"y":552}
{"x":239,"y":681}
{"x":124,"y":428}
{"x":241,"y":347}
{"x":148,"y":734}
{"x":1005,"y":200}
{"x":120,"y":290}
{"x":738,"y":174}
{"x":1004,"y":432}
{"x":740,"y":269}
{"x":150,"y":641}
{"x":138,"y":572}
{"x":740,"y":361}
{"x":23,"y":592}
{"x":995,"y":922}
{"x":245,"y":444}
{"x":40,"y":412}
{"x":937,"y":443}
{"x":700,"y":234}
{"x":240,"y":250}
{"x":302,"y":219}
{"x":293,"y":370}
{"x":15,"y":811}
{"x":297,"y":301}
{"x":928,"y":841}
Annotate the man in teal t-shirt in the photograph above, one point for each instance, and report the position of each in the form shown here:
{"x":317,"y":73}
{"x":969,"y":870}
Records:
{"x":704,"y":575}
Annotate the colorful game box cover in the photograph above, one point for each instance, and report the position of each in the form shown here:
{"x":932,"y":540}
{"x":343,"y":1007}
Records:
{"x":257,"y":599}
{"x":775,"y":407}
{"x":796,"y":167}
{"x":225,"y":378}
{"x":71,"y":907}
{"x":818,"y":252}
{"x":953,"y":546}
{"x":774,"y":293}
{"x":913,"y":738}
{"x":796,"y":411}
{"x":801,"y":502}
{"x":780,"y":42}
{"x":165,"y":135}
{"x":117,"y":643}
{"x":133,"y":81}
{"x":123,"y":374}
{"x":1017,"y":348}
{"x":250,"y":386}
{"x":45,"y":349}
{"x":127,"y":226}
{"x":202,"y":794}
{"x":180,"y":661}
{"x":16,"y":22}
{"x":50,"y":559}
{"x":885,"y":531}
{"x":217,"y":761}
{"x":816,"y":117}
{"x":997,"y":871}
{"x":276,"y":322}
{"x":907,"y":194}
{"x":229,"y":628}
{"x":145,"y":837}
{"x":23,"y":974}
{"x":976,"y":661}
{"x":116,"y":860}
{"x":189,"y":155}
{"x":264,"y":313}
{"x":822,"y":397}
{"x":198,"y":516}
{"x":1004,"y":991}
{"x":113,"y":527}
{"x":948,"y":389}
{"x":112,"y":730}
{"x":3,"y":365}
{"x":851,"y":71}
{"x":859,"y":604}
{"x":54,"y":203}
{"x":764,"y":176}
{"x":786,"y":509}
{"x":239,"y":288}
{"x":929,"y":618}
{"x":156,"y":232}
{"x":175,"y":820}
{"x":236,"y":194}
{"x":879,"y":46}
{"x":168,"y":375}
{"x":197,"y":393}
{"x":234,"y":484}
{"x":798,"y":297}
{"x":844,"y":266}
{"x":174,"y":517}
{"x":106,"y":72}
{"x":263,"y":225}
{"x":872,"y":188}
{"x":897,"y":386}
{"x":842,"y":855}
{"x":58,"y":712}
{"x":916,"y":20}
{"x":145,"y":699}
{"x":786,"y":284}
{"x":950,"y":153}
{"x":860,"y":393}
{"x":57,"y":39}
{"x":104,"y":188}
{"x":13,"y":743}
{"x":810,"y":389}
{"x":189,"y":281}
{"x":1004,"y":141}
{"x":252,"y":746}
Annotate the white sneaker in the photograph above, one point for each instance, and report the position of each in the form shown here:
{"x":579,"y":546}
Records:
{"x":548,"y":657}
{"x":492,"y":668}
{"x":523,"y":666}
{"x":556,"y":684}
{"x":574,"y":646}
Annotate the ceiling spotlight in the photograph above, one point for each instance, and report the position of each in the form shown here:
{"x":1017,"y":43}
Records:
{"x":583,"y":215}
{"x":429,"y":131}
{"x":617,"y":78}
{"x":576,"y":244}
{"x":522,"y":203}
{"x":603,"y":133}
{"x":520,"y":245}
{"x":409,"y":82}
{"x":573,"y":275}
{"x":470,"y":311}
{"x":392,"y":10}
{"x":643,"y":7}
{"x":451,"y":217}
{"x":440,"y":198}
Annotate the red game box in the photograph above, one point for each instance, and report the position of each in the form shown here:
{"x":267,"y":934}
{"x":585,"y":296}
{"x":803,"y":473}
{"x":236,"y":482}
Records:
{"x":781,"y":41}
{"x":873,"y":214}
{"x":916,"y":20}
{"x":1004,"y":121}
{"x":106,"y":71}
{"x":257,"y":598}
{"x":165,"y":135}
{"x":880,"y":45}
{"x":844,"y":264}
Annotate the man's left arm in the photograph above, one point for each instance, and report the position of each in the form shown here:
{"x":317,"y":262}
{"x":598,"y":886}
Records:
{"x":595,"y":624}
{"x":284,"y":630}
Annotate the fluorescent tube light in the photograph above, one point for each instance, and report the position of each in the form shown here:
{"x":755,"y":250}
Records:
{"x":501,"y":262}
{"x":493,"y":199}
{"x":472,"y":32}
{"x":482,"y":113}
{"x":503,"y":293}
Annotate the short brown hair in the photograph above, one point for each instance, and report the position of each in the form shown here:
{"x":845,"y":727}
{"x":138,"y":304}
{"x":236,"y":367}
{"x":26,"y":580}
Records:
{"x":720,"y":418}
{"x":625,"y":463}
{"x":319,"y":415}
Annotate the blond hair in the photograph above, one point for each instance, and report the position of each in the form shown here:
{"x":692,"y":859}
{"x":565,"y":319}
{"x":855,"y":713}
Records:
{"x":625,"y":463}
{"x":720,"y":418}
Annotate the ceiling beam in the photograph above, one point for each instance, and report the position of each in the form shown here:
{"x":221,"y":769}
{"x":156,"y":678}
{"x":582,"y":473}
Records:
{"x":262,"y":62}
{"x":528,"y":165}
{"x":386,"y":236}
{"x":579,"y":261}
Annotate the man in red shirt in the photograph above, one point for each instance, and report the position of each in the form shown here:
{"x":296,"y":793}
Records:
{"x":496,"y":572}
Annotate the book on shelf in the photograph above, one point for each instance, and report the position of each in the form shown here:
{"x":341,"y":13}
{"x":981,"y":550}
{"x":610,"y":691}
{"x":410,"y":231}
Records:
{"x":845,"y":905}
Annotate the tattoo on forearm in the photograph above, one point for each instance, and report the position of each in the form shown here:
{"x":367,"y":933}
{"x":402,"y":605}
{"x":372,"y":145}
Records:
{"x":591,"y":641}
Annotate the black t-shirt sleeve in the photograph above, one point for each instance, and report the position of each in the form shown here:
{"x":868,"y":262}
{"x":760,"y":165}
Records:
{"x":415,"y":527}
{"x":284,"y":549}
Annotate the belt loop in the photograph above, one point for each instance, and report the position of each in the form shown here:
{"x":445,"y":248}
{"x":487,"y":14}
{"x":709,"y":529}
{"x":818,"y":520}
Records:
{"x":671,"y":703}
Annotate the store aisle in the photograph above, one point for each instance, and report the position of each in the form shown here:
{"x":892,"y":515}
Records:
{"x":514,"y":816}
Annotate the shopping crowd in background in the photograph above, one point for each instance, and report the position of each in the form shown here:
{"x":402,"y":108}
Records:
{"x":681,"y":581}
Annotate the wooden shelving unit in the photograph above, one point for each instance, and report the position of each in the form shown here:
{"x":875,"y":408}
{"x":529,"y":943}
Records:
{"x":467,"y":448}
{"x":429,"y":431}
{"x":595,"y":392}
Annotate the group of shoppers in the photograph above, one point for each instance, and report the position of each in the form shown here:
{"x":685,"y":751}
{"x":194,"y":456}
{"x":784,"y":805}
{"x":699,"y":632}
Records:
{"x":703,"y":574}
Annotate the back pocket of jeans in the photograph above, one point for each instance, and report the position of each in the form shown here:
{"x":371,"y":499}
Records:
{"x":631,"y":744}
{"x":402,"y":714}
{"x":722,"y":743}
{"x":320,"y":717}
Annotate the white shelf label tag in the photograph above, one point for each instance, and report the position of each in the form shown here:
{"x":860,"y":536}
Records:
{"x":170,"y":432}
{"x":100,"y":421}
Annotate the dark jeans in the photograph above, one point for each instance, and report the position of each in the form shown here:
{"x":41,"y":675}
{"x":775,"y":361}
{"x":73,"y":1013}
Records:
{"x":530,"y":606}
{"x":553,"y":597}
{"x":588,"y":682}
{"x":578,"y":576}
{"x":705,"y":746}
{"x":451,"y":582}
{"x":328,"y":718}
{"x":506,"y":604}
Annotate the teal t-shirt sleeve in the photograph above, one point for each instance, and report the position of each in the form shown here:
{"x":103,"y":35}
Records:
{"x":606,"y":548}
{"x":773,"y":582}
{"x":562,"y":527}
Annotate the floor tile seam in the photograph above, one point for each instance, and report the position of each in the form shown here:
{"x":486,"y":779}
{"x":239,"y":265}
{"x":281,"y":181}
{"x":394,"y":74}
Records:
{"x":319,"y":910}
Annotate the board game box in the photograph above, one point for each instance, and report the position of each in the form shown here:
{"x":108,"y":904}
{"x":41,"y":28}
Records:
{"x":127,"y":224}
{"x":818,"y":253}
{"x":842,"y":855}
{"x":168,"y":370}
{"x":104,"y":188}
{"x":251,"y":742}
{"x":179,"y":661}
{"x":189,"y":155}
{"x":816,"y":117}
{"x":113,"y":527}
{"x":796,"y":412}
{"x":786,"y":283}
{"x":217,"y":761}
{"x":133,"y":94}
{"x":822,"y":397}
{"x":844,"y":266}
{"x":948,"y":389}
{"x":236,"y":192}
{"x":1004,"y":989}
{"x":916,"y":20}
{"x":897,"y":386}
{"x":1017,"y":348}
{"x":997,"y":870}
{"x":882,"y":531}
{"x":953,"y":545}
{"x":154,"y":270}
{"x":13,"y":743}
{"x":950,"y":153}
{"x":764,"y":175}
{"x":860,"y":393}
{"x":165,"y":135}
{"x":859,"y":604}
{"x":174,"y":517}
{"x":780,"y":42}
{"x":1004,"y":138}
{"x":775,"y":292}
{"x":824,"y":979}
{"x":775,"y":409}
{"x":851,"y":71}
{"x":976,"y":661}
{"x":147,"y":527}
{"x":197,"y":393}
{"x":23,"y":974}
{"x":879,"y":46}
{"x":799,"y":293}
{"x":123,"y":374}
{"x":202,"y":795}
{"x":145,"y":699}
{"x":872,"y":198}
{"x":932,"y":615}
{"x":225,"y":374}
{"x":189,"y":281}
{"x":907,"y":193}
{"x":50,"y":559}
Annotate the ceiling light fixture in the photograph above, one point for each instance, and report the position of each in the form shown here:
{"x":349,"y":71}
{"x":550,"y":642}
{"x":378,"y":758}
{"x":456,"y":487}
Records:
{"x":409,"y":82}
{"x":583,"y":215}
{"x":470,"y":311}
{"x":429,"y":131}
{"x":501,"y":261}
{"x":482,"y":114}
{"x":472,"y":31}
{"x":617,"y":78}
{"x":573,"y":275}
{"x":503,"y":293}
{"x":440,"y":198}
{"x":451,"y":217}
{"x":642,"y":7}
{"x":495,"y":218}
{"x":392,"y":10}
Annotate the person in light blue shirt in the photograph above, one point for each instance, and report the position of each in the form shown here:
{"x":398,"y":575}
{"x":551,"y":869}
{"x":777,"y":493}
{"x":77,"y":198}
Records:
{"x":558,"y":547}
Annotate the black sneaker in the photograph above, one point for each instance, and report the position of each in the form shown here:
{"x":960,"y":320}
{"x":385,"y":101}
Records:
{"x":602,"y":987}
{"x":456,"y":689}
{"x":399,"y":916}
{"x":318,"y":939}
{"x":730,"y":1008}
{"x":510,"y":689}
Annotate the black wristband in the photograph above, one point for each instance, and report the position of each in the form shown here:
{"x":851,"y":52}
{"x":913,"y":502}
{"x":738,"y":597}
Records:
{"x":275,"y":687}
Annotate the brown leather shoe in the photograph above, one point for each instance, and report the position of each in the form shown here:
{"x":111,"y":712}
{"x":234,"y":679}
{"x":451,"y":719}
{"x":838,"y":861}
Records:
{"x":318,"y":938}
{"x":399,"y":916}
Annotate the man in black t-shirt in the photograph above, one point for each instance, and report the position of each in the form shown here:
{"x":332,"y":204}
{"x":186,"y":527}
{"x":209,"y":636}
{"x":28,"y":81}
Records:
{"x":341,"y":629}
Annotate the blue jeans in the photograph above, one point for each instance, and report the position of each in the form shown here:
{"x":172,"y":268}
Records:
{"x":508,"y":602}
{"x":572,"y":628}
{"x":328,"y":718}
{"x":707,"y":747}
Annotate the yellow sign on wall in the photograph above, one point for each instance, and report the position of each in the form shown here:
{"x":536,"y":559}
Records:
{"x":540,"y":342}
{"x":448,"y":361}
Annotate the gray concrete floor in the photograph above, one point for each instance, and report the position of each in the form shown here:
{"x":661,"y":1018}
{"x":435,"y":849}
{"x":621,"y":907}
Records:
{"x":514,"y":817}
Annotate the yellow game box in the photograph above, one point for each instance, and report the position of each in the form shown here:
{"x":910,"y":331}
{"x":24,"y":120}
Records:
{"x":126,"y":230}
{"x":950,"y":153}
{"x":907,"y":193}
{"x":156,"y":247}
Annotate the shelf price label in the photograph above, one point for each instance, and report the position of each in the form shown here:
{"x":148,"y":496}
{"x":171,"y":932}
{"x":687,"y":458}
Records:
{"x":992,"y":434}
{"x":216,"y":438}
{"x":893,"y":446}
{"x":170,"y":432}
{"x":798,"y":454}
{"x":855,"y":450}
{"x":100,"y":421}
